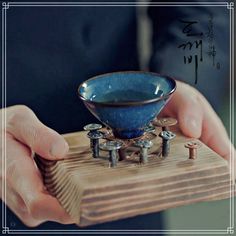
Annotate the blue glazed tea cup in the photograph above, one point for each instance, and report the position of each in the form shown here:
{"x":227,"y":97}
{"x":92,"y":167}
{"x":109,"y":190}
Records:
{"x":126,"y":101}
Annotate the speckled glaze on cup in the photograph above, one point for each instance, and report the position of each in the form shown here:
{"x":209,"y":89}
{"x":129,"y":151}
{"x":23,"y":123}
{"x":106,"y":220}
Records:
{"x":126,"y":101}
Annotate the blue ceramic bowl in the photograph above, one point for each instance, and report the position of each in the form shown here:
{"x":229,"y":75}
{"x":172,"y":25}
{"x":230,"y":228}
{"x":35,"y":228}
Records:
{"x":126,"y":101}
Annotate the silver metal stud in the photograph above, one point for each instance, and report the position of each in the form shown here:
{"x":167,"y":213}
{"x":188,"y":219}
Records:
{"x":112,"y":147}
{"x":144,"y":145}
{"x":92,"y":127}
{"x":166,"y":137}
{"x":94,"y":135}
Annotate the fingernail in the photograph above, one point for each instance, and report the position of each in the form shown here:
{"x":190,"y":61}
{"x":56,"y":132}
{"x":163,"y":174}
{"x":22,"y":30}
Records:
{"x":59,"y":148}
{"x":194,"y":126}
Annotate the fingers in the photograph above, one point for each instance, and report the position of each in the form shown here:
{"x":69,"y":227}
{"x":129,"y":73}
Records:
{"x":197,"y":119}
{"x":23,"y":124}
{"x":47,"y":208}
{"x":185,"y":106}
{"x":17,"y":205}
{"x":213,"y":131}
{"x":26,"y":194}
{"x":24,"y":178}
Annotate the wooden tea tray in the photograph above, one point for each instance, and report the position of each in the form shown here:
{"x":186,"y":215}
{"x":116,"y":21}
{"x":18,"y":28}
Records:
{"x":92,"y":193}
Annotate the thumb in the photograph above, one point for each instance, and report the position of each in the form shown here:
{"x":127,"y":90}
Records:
{"x":24,"y":126}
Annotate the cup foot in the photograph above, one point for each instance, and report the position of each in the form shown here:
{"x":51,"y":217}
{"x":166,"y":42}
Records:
{"x":128,"y":134}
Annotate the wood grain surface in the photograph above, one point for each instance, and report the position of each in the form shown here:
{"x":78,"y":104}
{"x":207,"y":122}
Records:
{"x":92,"y":192}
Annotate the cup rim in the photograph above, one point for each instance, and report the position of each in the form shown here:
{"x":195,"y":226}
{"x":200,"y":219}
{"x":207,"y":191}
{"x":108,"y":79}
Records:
{"x":124,"y":104}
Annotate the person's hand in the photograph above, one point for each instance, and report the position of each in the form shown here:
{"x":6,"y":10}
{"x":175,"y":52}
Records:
{"x":26,"y":195}
{"x":197,"y":119}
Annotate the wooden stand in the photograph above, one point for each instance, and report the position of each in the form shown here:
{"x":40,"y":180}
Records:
{"x":92,"y":192}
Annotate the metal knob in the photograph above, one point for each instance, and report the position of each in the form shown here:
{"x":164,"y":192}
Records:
{"x":112,"y":147}
{"x":166,"y":137}
{"x":144,"y":145}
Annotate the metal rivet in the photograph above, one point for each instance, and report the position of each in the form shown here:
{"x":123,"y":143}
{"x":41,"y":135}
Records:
{"x":166,"y":137}
{"x":94,"y":135}
{"x":165,"y":123}
{"x":192,"y":146}
{"x":144,"y":145}
{"x":112,"y":147}
{"x":149,"y":128}
{"x":92,"y":127}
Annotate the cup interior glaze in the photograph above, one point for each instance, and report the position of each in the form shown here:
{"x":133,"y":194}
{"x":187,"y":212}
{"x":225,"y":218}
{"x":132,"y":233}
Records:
{"x":126,"y":101}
